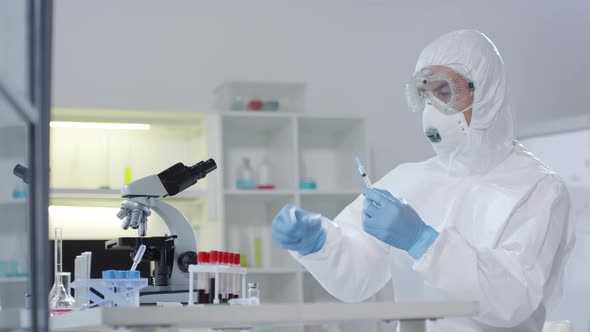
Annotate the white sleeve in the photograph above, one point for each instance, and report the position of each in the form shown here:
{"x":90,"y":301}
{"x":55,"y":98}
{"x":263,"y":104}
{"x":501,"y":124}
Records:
{"x":352,"y":265}
{"x":509,"y":281}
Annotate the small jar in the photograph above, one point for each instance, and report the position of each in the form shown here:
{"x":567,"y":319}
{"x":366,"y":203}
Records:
{"x":253,"y":293}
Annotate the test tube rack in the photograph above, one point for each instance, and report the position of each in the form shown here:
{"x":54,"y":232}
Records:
{"x":217,"y":269}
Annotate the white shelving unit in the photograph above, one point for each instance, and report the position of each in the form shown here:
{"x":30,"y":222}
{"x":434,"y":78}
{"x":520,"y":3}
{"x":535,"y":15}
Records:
{"x":116,"y":194}
{"x":296,"y":145}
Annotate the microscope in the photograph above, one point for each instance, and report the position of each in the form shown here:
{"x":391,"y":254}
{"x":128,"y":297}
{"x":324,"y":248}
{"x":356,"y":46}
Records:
{"x":171,"y":254}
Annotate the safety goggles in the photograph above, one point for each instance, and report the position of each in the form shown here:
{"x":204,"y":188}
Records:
{"x":439,"y":90}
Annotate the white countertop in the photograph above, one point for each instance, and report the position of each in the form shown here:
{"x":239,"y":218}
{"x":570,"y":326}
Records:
{"x":269,"y":314}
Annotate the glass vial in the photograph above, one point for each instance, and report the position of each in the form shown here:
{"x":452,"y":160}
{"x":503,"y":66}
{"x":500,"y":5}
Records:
{"x":253,"y":293}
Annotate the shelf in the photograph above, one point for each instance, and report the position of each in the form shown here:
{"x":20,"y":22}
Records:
{"x":114,"y":193}
{"x":274,"y":270}
{"x":13,"y":203}
{"x":330,"y":192}
{"x":263,"y":114}
{"x":319,"y":116}
{"x":9,"y":280}
{"x":237,"y":316}
{"x":258,"y":192}
{"x":290,"y":96}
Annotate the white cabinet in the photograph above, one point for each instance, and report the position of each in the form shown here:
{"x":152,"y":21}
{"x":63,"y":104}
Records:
{"x":297,"y":146}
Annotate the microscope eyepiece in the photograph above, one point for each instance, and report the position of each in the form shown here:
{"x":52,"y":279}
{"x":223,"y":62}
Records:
{"x":179,"y":177}
{"x":202,"y":168}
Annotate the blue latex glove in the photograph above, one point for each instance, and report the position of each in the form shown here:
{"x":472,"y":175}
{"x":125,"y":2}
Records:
{"x":396,"y":223}
{"x":298,"y":230}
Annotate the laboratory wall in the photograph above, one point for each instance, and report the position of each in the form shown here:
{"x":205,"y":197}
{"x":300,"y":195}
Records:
{"x":354,"y":56}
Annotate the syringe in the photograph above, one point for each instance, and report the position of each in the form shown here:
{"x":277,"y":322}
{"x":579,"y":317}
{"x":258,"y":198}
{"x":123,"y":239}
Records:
{"x":363,"y":173}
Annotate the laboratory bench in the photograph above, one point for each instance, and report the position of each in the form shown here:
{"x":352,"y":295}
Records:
{"x":411,"y":315}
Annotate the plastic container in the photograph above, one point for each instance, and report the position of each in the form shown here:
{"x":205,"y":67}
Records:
{"x":264,"y":178}
{"x":308,"y":184}
{"x":113,"y":292}
{"x":272,"y":105}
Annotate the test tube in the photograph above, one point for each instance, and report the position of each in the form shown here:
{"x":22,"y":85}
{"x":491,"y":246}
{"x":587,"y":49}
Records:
{"x":203,"y":279}
{"x":232,"y":289}
{"x":226,"y":278}
{"x":213,"y":260}
{"x":236,"y":276}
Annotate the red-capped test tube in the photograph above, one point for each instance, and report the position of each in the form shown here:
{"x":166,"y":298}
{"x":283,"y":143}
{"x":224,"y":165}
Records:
{"x":203,"y":278}
{"x":213,"y":260}
{"x":226,"y":278}
{"x":237,"y":276}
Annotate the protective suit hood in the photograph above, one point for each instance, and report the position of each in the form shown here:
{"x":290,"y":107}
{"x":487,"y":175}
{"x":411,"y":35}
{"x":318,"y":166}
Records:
{"x":490,"y":135}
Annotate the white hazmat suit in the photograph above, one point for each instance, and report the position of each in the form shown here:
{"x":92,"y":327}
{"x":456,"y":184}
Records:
{"x":501,"y":214}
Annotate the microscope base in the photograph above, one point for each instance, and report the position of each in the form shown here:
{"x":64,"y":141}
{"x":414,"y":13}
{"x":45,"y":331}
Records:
{"x":152,"y":294}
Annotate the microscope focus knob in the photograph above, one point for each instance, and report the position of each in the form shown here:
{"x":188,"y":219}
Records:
{"x":185,"y":259}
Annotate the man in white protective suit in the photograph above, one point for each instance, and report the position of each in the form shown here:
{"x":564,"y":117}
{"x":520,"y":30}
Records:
{"x":483,"y":220}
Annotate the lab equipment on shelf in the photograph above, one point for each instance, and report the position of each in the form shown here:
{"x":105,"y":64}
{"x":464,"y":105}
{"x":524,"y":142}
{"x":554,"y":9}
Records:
{"x":271,"y":105}
{"x":307,"y":183}
{"x":10,"y":269}
{"x":260,"y":96}
{"x":245,"y":175}
{"x":220,"y":278}
{"x":60,"y":299}
{"x":264,"y":179}
{"x":238,"y":104}
{"x":255,"y":105}
{"x":19,"y":192}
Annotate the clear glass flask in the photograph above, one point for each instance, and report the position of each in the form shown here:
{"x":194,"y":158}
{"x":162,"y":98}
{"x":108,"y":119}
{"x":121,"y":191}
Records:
{"x":60,"y":299}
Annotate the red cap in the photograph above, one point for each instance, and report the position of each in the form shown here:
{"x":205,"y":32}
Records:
{"x":214,"y":256}
{"x":226,"y":258}
{"x":237,"y":259}
{"x":203,"y":257}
